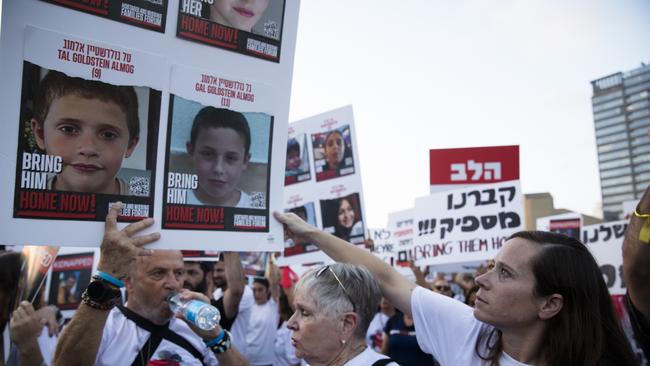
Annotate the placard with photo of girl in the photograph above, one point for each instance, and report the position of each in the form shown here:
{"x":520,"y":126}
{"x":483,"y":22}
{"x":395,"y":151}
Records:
{"x":342,"y":217}
{"x":333,"y":155}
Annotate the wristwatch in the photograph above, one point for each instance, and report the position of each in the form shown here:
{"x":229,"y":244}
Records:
{"x":101,"y":294}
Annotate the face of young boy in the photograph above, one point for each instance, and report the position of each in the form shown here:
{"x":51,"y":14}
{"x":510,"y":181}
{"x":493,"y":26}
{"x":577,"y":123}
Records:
{"x":219,"y":158}
{"x":92,"y":138}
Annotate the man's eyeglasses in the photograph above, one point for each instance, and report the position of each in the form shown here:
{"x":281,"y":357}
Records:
{"x":325,"y":268}
{"x":442,"y":288}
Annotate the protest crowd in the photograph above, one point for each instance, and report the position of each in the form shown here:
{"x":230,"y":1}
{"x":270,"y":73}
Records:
{"x":90,"y":145}
{"x":541,"y":301}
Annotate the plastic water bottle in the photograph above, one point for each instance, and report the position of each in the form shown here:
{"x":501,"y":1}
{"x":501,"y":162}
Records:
{"x":201,"y":314}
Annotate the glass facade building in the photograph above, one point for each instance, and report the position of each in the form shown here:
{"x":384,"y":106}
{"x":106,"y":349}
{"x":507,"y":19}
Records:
{"x":621,"y":107}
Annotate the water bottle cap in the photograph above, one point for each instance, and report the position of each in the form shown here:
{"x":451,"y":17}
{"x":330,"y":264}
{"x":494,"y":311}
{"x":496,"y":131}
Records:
{"x":169,"y":297}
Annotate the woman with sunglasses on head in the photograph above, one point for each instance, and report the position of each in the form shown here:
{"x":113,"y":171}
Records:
{"x":544,"y":302}
{"x":334,"y":306}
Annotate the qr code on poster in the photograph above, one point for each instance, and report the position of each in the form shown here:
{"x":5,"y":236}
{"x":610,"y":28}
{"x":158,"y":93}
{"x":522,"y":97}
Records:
{"x":139,"y":186}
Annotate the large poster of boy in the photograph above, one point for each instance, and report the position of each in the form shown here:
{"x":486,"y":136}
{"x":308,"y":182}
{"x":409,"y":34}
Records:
{"x":342,"y":218}
{"x":70,"y":276}
{"x":297,"y":164}
{"x":148,"y":14}
{"x":333,"y":153}
{"x":83,"y":142}
{"x":218,"y":158}
{"x":251,"y":27}
{"x":222,"y":141}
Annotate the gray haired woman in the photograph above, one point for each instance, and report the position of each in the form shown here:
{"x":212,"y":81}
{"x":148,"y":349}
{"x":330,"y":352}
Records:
{"x":334,"y":306}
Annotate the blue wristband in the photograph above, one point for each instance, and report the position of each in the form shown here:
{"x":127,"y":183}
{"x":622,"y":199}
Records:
{"x":216,"y":340}
{"x":108,"y":278}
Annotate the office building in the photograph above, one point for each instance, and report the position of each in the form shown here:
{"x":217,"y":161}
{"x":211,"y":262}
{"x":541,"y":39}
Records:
{"x":621,"y":107}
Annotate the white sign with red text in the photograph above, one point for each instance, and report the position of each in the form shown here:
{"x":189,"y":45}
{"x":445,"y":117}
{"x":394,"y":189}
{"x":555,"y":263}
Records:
{"x":116,"y":65}
{"x":323,"y":181}
{"x":402,"y":226}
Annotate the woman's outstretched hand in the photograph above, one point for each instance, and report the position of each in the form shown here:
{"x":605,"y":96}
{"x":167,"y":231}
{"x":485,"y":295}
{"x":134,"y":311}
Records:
{"x":296,"y":228}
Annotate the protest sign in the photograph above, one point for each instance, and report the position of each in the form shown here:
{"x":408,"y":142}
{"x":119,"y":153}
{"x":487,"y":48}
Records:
{"x":567,"y":223}
{"x":383,"y":245}
{"x":132,"y":48}
{"x":73,"y":88}
{"x":468,"y":224}
{"x":147,"y":14}
{"x":605,"y":242}
{"x":401,"y":225}
{"x":456,"y":168}
{"x":323,"y":181}
{"x":253,"y":29}
{"x":69,"y":277}
{"x":209,"y":184}
{"x":37,"y":261}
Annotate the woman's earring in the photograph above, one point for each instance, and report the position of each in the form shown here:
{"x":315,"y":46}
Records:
{"x":343,"y":342}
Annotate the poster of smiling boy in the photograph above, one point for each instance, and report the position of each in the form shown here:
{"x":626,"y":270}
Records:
{"x":218,"y":159}
{"x":250,"y":27}
{"x":87,"y":135}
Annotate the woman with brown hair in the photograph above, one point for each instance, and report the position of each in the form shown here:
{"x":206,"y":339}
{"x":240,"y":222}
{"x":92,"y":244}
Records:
{"x":543,"y":303}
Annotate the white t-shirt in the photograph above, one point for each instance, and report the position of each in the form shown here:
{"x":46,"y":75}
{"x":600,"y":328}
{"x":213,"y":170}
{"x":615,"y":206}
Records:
{"x":285,"y":352}
{"x":447,"y":329}
{"x":261,"y":333}
{"x":122,"y":340}
{"x":376,"y":331}
{"x":47,"y":345}
{"x":365,"y":358}
{"x":240,"y":326}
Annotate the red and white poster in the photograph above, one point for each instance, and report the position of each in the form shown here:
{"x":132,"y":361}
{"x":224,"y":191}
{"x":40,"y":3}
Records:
{"x":89,"y":91}
{"x":456,"y":168}
{"x":69,"y":278}
{"x":402,"y":226}
{"x":218,"y":168}
{"x":323,"y":181}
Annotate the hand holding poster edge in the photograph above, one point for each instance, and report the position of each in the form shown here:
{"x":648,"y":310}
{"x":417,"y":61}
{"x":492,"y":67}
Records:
{"x":120,"y":248}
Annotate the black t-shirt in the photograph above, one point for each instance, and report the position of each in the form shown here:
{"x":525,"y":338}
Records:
{"x":402,"y":345}
{"x":224,"y":322}
{"x":640,"y":327}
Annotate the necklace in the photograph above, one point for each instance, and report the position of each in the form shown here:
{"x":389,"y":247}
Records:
{"x":340,"y":360}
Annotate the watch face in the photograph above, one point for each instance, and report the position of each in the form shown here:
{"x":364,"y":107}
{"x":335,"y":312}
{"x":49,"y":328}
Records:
{"x":100,"y":292}
{"x":96,"y":290}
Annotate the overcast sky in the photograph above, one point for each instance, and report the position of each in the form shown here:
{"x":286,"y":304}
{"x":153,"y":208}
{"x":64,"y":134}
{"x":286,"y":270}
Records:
{"x":423,"y":74}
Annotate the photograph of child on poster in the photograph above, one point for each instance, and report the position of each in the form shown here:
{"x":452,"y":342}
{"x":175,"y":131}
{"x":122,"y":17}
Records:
{"x":297,"y":163}
{"x":250,"y":27}
{"x":333,"y":153}
{"x":261,"y":17}
{"x":225,"y":151}
{"x":342,"y":218}
{"x":306,"y":212}
{"x":85,"y":136}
